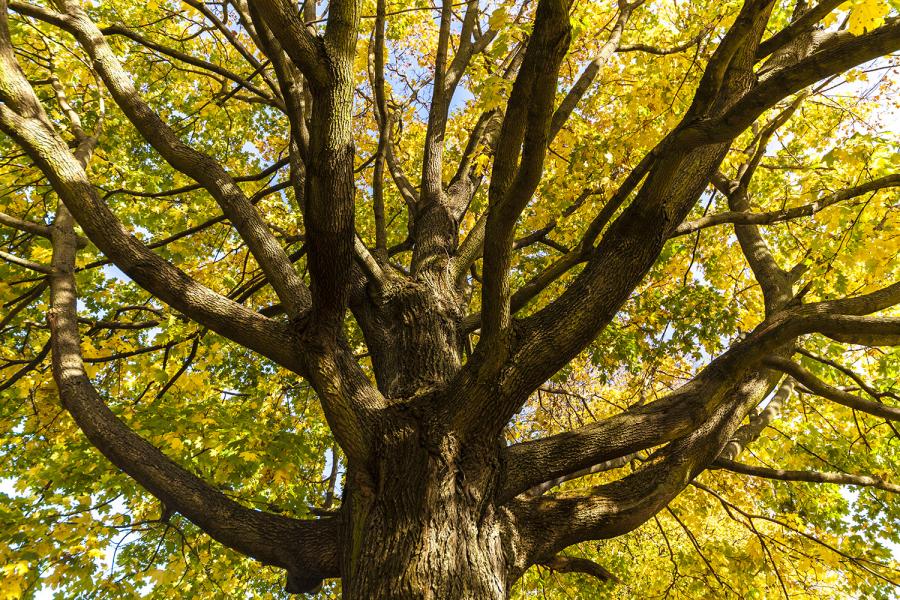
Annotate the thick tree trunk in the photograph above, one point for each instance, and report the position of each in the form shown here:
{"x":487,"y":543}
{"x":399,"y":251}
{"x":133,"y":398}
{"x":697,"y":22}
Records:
{"x":422,"y":522}
{"x":412,"y":330}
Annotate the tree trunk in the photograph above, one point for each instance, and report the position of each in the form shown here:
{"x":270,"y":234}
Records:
{"x":426,"y":525}
{"x":412,"y":330}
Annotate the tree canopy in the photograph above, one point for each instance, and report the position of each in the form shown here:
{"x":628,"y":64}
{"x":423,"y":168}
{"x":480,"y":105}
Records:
{"x":615,"y":281}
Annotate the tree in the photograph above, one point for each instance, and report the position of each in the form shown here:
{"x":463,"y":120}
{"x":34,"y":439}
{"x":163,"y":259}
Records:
{"x":457,"y":213}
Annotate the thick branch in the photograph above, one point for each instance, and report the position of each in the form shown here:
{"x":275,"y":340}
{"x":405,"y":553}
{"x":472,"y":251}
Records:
{"x":307,"y":549}
{"x":774,"y":281}
{"x":532,"y":463}
{"x":384,"y":130}
{"x":671,"y":417}
{"x":829,"y":392}
{"x":431,"y":187}
{"x":568,"y":564}
{"x":751,"y":431}
{"x":304,"y":47}
{"x":437,"y":214}
{"x":202,"y":168}
{"x":24,"y":226}
{"x":804,"y":23}
{"x":518,"y":163}
{"x":553,"y":522}
{"x":844,"y":53}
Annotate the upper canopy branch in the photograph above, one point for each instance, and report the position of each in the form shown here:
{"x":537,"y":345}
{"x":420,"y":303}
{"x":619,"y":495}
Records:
{"x":804,"y":23}
{"x":845,"y":52}
{"x":243,"y":82}
{"x":774,"y":281}
{"x":23,"y":118}
{"x":581,"y":86}
{"x":646,"y":426}
{"x":787,"y":214}
{"x":343,"y":387}
{"x":518,"y":163}
{"x":438,"y":210}
{"x":200,"y":167}
{"x":676,"y":174}
{"x":674,"y":177}
{"x":808,"y":476}
{"x":303,"y":46}
{"x":829,"y":392}
{"x":875,"y":393}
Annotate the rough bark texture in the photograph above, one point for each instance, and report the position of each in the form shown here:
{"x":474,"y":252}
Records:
{"x":430,"y":527}
{"x":412,"y":328}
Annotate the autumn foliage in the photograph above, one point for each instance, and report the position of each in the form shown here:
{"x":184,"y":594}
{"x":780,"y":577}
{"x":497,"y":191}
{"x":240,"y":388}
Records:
{"x":476,"y":300}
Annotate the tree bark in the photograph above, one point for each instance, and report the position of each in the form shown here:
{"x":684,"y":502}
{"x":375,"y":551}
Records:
{"x":428,"y":525}
{"x":413,"y":331}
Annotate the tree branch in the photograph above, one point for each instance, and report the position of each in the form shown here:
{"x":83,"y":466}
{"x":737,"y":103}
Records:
{"x":684,"y":410}
{"x":677,"y":176}
{"x":664,"y":51}
{"x":370,"y":265}
{"x":602,"y":467}
{"x":23,"y":262}
{"x":518,"y":163}
{"x":775,"y":216}
{"x":437,"y":213}
{"x":25,"y":226}
{"x":384,"y":130}
{"x":675,"y":415}
{"x":194,"y":61}
{"x":568,"y":564}
{"x":258,"y":66}
{"x":820,"y":388}
{"x":304,"y":48}
{"x":849,"y":373}
{"x":808,"y":476}
{"x":201,"y":167}
{"x":307,"y":549}
{"x":751,"y":431}
{"x":553,"y":522}
{"x":803,"y":23}
{"x":581,"y":86}
{"x":844,"y":53}
{"x":24,"y":120}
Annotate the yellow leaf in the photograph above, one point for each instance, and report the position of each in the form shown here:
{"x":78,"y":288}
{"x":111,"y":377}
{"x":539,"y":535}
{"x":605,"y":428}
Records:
{"x":498,"y":17}
{"x":866,"y":15}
